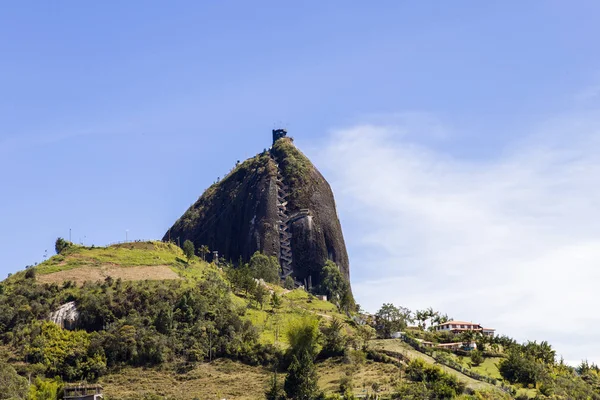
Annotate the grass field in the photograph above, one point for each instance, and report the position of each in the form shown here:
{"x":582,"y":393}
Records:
{"x":363,"y":376}
{"x":128,"y":261}
{"x":489,"y":367}
{"x":124,"y":255}
{"x":226,"y":379}
{"x":273,"y":324}
{"x":221,"y":379}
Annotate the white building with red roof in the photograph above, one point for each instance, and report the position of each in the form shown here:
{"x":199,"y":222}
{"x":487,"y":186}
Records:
{"x":462,"y":326}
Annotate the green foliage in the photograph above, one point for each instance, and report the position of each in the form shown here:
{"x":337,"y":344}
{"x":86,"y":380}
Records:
{"x":260,"y":294}
{"x":61,"y":245}
{"x":241,"y":279}
{"x":265,"y":267}
{"x":301,"y":382}
{"x":188,"y":249}
{"x":521,"y":368}
{"x":541,"y":352}
{"x":63,"y":353}
{"x":275,"y":390}
{"x":44,"y":389}
{"x":334,"y":340}
{"x":289,"y":283}
{"x":137,"y":323}
{"x":203,"y":250}
{"x":390,"y":319}
{"x":276,"y":301}
{"x":30,"y":273}
{"x":12,"y":386}
{"x":476,"y":357}
{"x":303,"y":336}
{"x":336,"y":287}
{"x":440,"y":384}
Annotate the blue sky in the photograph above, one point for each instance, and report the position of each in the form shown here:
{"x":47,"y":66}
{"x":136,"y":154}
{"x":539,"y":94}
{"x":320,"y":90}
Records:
{"x":115,"y":116}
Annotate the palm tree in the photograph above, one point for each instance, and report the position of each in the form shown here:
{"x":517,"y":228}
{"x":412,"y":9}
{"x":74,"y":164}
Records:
{"x":421,"y":317}
{"x":204,"y":251}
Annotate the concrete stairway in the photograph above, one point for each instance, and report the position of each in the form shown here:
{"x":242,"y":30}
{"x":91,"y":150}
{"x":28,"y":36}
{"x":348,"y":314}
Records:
{"x":285,"y":236}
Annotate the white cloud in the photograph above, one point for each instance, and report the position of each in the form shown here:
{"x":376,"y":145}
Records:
{"x":512,"y":243}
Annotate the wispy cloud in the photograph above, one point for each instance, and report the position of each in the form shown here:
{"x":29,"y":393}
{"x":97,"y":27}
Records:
{"x":512,"y":243}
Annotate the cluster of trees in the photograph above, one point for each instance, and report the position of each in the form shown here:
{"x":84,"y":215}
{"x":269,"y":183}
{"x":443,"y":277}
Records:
{"x":137,"y":323}
{"x":434,"y":318}
{"x":390,"y":319}
{"x":436,"y":384}
{"x":190,"y":250}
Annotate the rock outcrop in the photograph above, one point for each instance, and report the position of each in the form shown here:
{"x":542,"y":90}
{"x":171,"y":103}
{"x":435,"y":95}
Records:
{"x":276,"y":202}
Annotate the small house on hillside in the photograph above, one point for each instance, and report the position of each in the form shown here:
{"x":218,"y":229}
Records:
{"x":83,"y":392}
{"x":461,"y":326}
{"x":458,"y":346}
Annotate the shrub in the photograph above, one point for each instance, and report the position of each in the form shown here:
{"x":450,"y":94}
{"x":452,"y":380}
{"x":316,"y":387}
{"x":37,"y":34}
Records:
{"x":30,"y":274}
{"x":289,"y":283}
{"x":476,"y":358}
{"x":61,"y":245}
{"x":518,"y":368}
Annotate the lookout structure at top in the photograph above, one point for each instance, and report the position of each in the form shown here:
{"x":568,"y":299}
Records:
{"x":278,"y":134}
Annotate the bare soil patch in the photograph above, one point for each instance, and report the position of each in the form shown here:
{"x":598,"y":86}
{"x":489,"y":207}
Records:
{"x":93,"y":274}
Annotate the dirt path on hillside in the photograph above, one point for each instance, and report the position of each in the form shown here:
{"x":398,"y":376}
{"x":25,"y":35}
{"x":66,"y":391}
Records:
{"x":94,"y":274}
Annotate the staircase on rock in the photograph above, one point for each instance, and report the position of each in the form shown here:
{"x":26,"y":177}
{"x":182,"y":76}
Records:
{"x":285,"y":235}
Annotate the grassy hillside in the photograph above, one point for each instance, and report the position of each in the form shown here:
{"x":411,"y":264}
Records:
{"x":122,"y":255}
{"x":154,"y":326}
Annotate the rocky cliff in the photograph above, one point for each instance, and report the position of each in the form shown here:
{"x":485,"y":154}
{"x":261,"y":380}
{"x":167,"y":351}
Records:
{"x":276,"y":202}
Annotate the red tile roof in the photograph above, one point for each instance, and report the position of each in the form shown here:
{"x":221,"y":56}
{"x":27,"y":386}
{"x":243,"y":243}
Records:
{"x":458,"y":323}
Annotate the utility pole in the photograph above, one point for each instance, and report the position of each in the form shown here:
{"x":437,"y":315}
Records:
{"x":70,"y":235}
{"x":126,"y":235}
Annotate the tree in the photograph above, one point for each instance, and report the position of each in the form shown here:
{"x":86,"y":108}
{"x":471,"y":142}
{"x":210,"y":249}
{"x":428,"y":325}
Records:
{"x":61,"y":245}
{"x":12,"y":386}
{"x":476,"y":357}
{"x":520,"y":368}
{"x":189,"y":249}
{"x":265,"y":267}
{"x":364,"y":333}
{"x":421,"y":317}
{"x":334,"y":342}
{"x":390,"y":319}
{"x":260,"y":294}
{"x":303,"y":336}
{"x":204,"y":250}
{"x":276,"y":301}
{"x":301,"y":382}
{"x":335,"y":286}
{"x":275,"y":391}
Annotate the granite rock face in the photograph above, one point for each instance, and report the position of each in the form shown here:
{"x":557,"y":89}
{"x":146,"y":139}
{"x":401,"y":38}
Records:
{"x":276,"y":202}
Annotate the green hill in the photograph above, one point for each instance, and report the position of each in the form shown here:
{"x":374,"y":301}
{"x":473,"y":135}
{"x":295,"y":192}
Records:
{"x":154,"y":325}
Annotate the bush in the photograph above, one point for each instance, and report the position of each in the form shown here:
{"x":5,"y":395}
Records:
{"x":30,"y":273}
{"x":289,"y":283}
{"x":518,"y":368}
{"x":61,"y":245}
{"x":476,"y":357}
